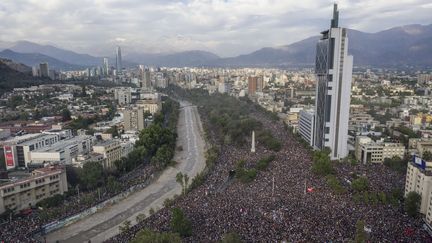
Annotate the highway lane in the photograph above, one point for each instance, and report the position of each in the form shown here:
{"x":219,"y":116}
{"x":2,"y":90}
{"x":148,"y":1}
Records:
{"x":105,"y":224}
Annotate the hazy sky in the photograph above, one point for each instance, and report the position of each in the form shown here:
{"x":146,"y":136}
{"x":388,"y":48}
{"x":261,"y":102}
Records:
{"x":225,"y":27}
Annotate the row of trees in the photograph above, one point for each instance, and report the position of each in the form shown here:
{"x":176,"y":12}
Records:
{"x":247,"y":175}
{"x":229,"y":117}
{"x":156,"y":143}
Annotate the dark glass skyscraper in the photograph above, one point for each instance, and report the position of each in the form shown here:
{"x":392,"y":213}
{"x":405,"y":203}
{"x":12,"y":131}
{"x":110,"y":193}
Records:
{"x":118,"y":60}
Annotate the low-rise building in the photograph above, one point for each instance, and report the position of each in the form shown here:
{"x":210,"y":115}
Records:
{"x":17,"y":150}
{"x":111,"y":151}
{"x":26,"y":192}
{"x":368,"y":151}
{"x":151,"y":105}
{"x":62,"y":152}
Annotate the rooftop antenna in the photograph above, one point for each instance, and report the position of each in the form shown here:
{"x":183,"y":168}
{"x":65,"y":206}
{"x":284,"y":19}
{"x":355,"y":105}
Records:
{"x":335,"y":20}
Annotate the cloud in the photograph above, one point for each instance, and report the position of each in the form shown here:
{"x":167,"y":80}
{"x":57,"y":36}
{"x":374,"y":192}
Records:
{"x":226,"y":27}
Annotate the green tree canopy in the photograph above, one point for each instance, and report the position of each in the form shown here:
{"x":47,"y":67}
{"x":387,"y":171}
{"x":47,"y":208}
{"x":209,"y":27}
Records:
{"x":360,"y":236}
{"x":231,"y":238}
{"x":360,"y":184}
{"x":91,"y":175}
{"x":412,"y":203}
{"x":66,"y":115}
{"x":148,"y":236}
{"x":179,"y":223}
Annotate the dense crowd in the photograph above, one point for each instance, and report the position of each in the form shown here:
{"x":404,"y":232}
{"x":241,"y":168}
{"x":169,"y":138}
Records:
{"x":277,"y":206}
{"x":22,"y":228}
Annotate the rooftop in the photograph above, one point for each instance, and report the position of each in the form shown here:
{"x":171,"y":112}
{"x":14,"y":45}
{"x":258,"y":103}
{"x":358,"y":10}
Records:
{"x":62,"y":144}
{"x":36,"y":174}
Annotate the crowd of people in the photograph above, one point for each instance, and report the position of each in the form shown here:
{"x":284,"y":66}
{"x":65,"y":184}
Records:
{"x":27,"y":228}
{"x":286,"y":202}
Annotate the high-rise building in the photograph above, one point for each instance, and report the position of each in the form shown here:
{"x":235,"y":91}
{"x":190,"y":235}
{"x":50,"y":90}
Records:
{"x":118,"y":60}
{"x":43,"y":69}
{"x":255,"y":84}
{"x":105,"y":68}
{"x":35,"y":71}
{"x":145,"y":81}
{"x":333,"y":68}
{"x":252,"y":85}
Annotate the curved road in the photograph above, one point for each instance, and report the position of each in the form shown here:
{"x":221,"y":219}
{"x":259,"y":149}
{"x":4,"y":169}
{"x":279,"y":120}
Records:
{"x":105,"y":224}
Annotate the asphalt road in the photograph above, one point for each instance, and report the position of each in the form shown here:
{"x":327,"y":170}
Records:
{"x":105,"y":223}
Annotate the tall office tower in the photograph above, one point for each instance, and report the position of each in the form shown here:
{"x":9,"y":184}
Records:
{"x":118,"y":60}
{"x":43,"y":69}
{"x":105,"y":68}
{"x":333,"y":68}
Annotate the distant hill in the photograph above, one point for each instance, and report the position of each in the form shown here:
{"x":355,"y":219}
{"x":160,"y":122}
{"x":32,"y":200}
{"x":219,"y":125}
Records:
{"x":57,"y":53}
{"x":400,"y":46}
{"x":32,"y":59}
{"x":11,"y":78}
{"x":16,"y":66}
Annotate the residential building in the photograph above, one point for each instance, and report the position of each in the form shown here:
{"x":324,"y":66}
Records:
{"x":255,"y":84}
{"x":145,"y":81}
{"x":111,"y":151}
{"x":151,"y":105}
{"x":419,"y":180}
{"x":136,"y":118}
{"x":333,"y":70}
{"x":26,"y":192}
{"x":123,"y":96}
{"x":43,"y":69}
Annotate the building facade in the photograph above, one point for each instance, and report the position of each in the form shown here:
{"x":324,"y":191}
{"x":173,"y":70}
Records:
{"x":17,"y":150}
{"x":111,"y":151}
{"x":306,"y":126}
{"x":62,"y":152}
{"x":26,"y":192}
{"x":333,"y":68}
{"x":118,"y":60}
{"x":368,"y":151}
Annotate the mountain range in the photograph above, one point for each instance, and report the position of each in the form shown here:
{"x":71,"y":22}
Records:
{"x":409,"y":45}
{"x":13,"y":75}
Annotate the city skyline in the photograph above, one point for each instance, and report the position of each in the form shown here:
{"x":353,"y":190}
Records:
{"x":223,"y":27}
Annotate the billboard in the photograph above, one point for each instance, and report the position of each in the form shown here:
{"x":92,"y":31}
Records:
{"x":9,"y":157}
{"x":419,"y":162}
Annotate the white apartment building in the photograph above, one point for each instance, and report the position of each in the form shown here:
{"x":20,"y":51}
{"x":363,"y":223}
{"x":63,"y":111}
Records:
{"x":419,"y":179}
{"x":26,"y":192}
